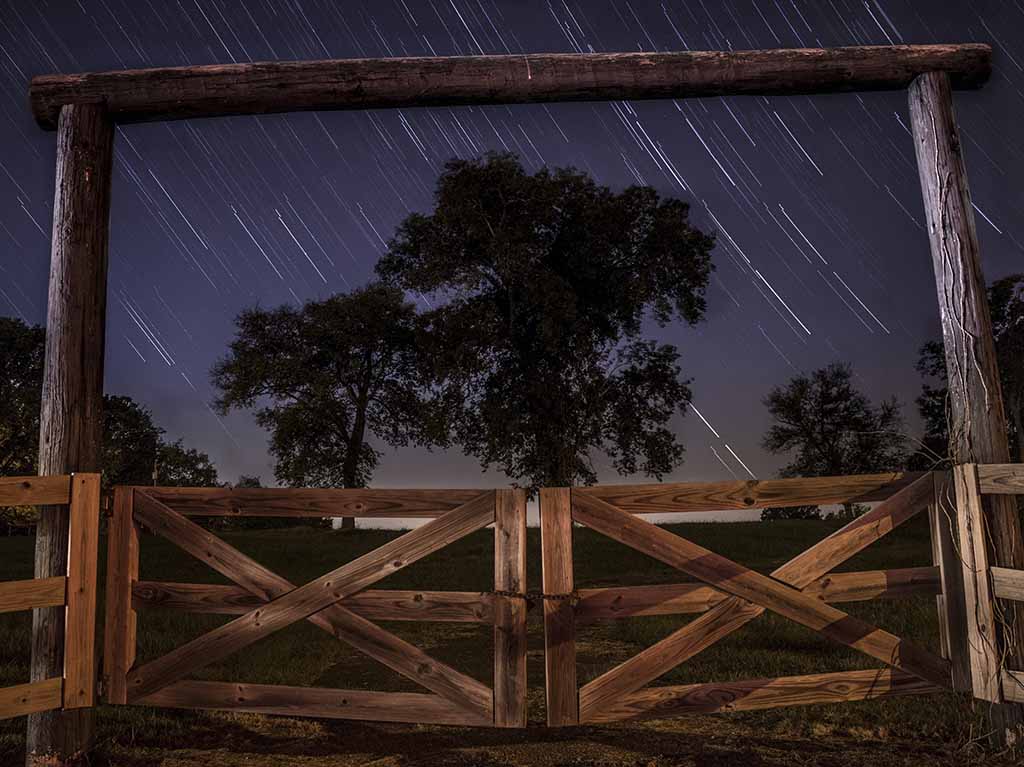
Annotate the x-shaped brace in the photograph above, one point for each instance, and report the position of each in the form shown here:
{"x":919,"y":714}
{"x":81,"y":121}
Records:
{"x":319,"y":601}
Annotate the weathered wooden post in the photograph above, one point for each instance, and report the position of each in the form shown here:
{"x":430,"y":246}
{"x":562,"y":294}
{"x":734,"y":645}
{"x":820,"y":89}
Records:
{"x":71,"y":422}
{"x":978,"y":422}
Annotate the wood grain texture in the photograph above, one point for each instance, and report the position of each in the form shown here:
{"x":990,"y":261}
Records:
{"x":681,"y":598}
{"x":35,"y":491}
{"x":1007,"y":583}
{"x":374,"y":604}
{"x":683,"y":497}
{"x":733,"y":613}
{"x":257,"y":88}
{"x":950,"y":603}
{"x":510,"y":612}
{"x":30,"y":594}
{"x":80,"y":631}
{"x":120,"y":618}
{"x":559,"y":622}
{"x":413,"y":708}
{"x":752,"y":694}
{"x":309,"y":502}
{"x":71,"y":414}
{"x":31,"y":698}
{"x":1013,"y":685}
{"x":982,"y":641}
{"x":977,"y":414}
{"x":1001,"y":478}
{"x":760,"y":590}
{"x":288,"y":604}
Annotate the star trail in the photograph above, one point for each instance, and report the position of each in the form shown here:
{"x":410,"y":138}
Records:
{"x":821,"y":250}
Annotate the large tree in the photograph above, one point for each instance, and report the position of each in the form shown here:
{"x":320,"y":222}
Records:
{"x":325,"y":379}
{"x":21,"y":376}
{"x":1006,"y":306}
{"x":830,"y":428}
{"x":540,"y":286}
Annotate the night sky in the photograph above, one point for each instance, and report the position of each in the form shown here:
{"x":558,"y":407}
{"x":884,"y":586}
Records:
{"x":822,"y":254}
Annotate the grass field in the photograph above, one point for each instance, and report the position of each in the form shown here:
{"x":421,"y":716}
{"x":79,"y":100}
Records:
{"x":928,"y":730}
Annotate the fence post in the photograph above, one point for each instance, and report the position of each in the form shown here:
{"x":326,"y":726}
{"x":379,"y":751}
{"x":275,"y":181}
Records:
{"x":510,"y":611}
{"x":942,"y":524}
{"x":977,"y":418}
{"x":71,"y":415}
{"x":122,"y":571}
{"x":559,"y":618}
{"x":80,"y":627}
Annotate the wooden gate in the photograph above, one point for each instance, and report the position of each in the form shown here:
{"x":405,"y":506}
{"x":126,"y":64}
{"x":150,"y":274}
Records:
{"x":729,"y":596}
{"x":75,"y":590}
{"x":338,"y":602}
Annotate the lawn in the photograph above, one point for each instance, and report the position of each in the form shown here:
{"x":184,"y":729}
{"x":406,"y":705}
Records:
{"x":937,"y":729}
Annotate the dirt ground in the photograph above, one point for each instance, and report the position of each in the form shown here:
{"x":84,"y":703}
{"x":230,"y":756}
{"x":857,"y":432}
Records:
{"x":236,"y":740}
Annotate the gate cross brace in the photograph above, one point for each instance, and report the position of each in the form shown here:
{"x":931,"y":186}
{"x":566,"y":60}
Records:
{"x":321,"y":607}
{"x":753,"y":592}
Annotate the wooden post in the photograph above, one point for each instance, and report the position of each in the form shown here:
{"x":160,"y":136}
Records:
{"x":978,"y":422}
{"x":71,"y":423}
{"x":122,"y":572}
{"x":510,"y":611}
{"x":942,"y":523}
{"x":559,"y":618}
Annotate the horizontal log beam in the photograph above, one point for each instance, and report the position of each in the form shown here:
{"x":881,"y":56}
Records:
{"x":30,"y":594}
{"x":53,"y":490}
{"x":1001,"y":478}
{"x":682,"y":497}
{"x":173,"y":93}
{"x":308,"y":502}
{"x":750,"y":694}
{"x":1013,"y":685}
{"x":375,"y":604}
{"x":682,"y":598}
{"x":411,"y":707}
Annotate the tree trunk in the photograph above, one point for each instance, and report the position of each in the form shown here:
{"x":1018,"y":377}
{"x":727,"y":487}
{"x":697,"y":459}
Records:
{"x":977,"y":417}
{"x":71,"y":418}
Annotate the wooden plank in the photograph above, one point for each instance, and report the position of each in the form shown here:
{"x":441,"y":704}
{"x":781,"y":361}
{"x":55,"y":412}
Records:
{"x":950,"y":603}
{"x":982,"y":644}
{"x":1013,"y":685}
{"x":1007,"y":583}
{"x":170,"y":93}
{"x":122,"y":574}
{"x":71,"y":410}
{"x":297,"y":603}
{"x":80,"y":630}
{"x":36,"y":592}
{"x":322,"y":703}
{"x":309,"y":502}
{"x":35,"y":491}
{"x":559,"y":622}
{"x":731,"y":614}
{"x":752,"y":694}
{"x":1001,"y":478}
{"x":681,"y":598}
{"x":761,"y":590}
{"x":31,"y":698}
{"x":510,"y":612}
{"x":684,"y":497}
{"x":374,"y":604}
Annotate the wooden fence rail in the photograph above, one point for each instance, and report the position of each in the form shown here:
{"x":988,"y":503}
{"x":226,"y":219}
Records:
{"x":75,"y":590}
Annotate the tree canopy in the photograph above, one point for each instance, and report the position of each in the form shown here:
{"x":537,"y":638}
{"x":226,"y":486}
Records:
{"x":326,"y":378}
{"x":540,"y":286}
{"x":831,"y":428}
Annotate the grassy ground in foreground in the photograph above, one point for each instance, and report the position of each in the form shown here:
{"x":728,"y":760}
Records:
{"x":934,"y":730}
